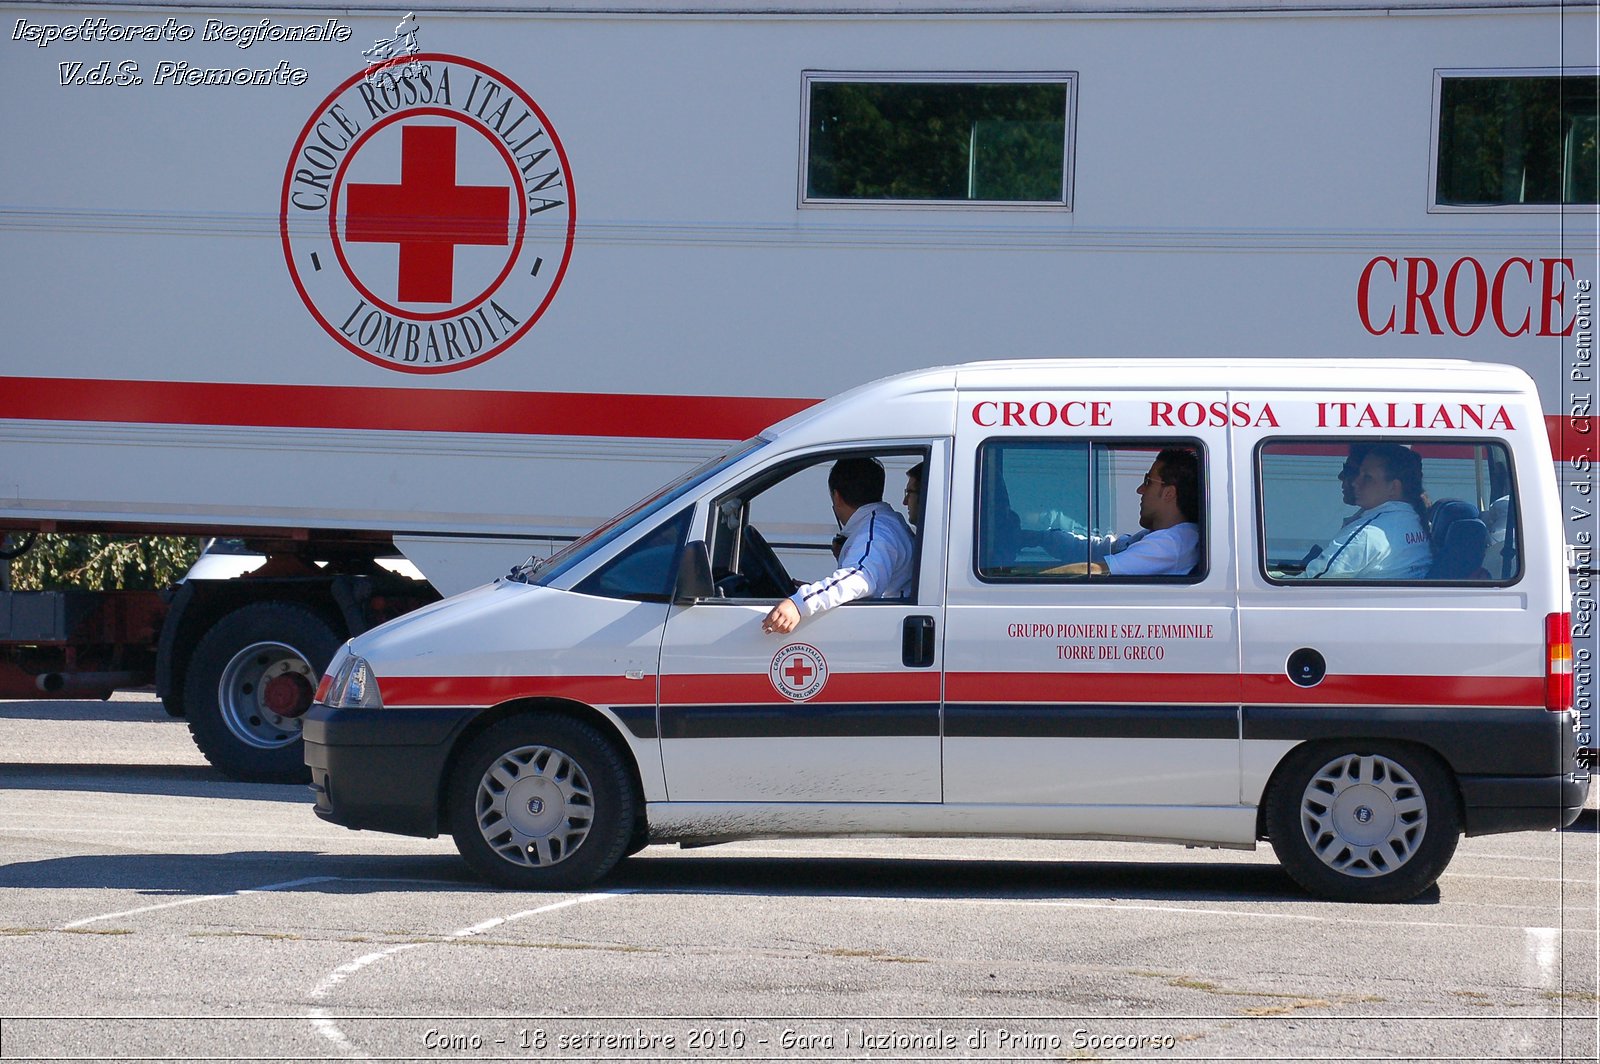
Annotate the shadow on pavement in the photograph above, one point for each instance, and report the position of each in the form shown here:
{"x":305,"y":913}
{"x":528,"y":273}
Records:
{"x":130,"y":710}
{"x":184,"y":781}
{"x":175,"y":875}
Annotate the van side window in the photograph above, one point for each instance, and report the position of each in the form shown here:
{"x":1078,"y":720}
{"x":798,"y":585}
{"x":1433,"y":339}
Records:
{"x":1056,"y":510}
{"x":779,"y":531}
{"x":1380,"y":511}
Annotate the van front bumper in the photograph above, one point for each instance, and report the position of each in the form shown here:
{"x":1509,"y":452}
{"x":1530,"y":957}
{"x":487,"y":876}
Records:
{"x":381,"y":769}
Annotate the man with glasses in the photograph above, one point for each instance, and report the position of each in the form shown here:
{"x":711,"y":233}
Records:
{"x":1168,"y":540}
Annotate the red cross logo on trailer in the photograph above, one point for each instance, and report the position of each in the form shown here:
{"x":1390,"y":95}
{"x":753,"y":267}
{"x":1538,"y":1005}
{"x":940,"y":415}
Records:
{"x":427,"y":217}
{"x":798,"y":671}
{"x":398,"y":214}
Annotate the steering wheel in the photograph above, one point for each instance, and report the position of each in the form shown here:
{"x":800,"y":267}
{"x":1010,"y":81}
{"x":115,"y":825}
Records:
{"x":764,"y":572}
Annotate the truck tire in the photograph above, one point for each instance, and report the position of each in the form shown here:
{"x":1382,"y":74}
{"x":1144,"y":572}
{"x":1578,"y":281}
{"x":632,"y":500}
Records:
{"x":542,"y":803}
{"x":250,"y":681}
{"x":1361,"y":821}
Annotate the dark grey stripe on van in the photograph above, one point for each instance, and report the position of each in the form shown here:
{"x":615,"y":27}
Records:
{"x":800,"y":720}
{"x":1022,"y":721}
{"x":1472,"y":741}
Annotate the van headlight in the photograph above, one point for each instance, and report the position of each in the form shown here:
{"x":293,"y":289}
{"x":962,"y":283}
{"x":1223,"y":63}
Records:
{"x":354,"y":686}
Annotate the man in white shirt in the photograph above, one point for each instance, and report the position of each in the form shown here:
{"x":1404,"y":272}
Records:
{"x":1386,"y":538}
{"x":1168,"y":540}
{"x":875,"y":561}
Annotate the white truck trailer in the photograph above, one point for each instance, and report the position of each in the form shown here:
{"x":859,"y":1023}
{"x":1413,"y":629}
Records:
{"x":459,"y":283}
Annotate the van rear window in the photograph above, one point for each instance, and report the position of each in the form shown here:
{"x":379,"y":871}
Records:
{"x":1387,"y":512}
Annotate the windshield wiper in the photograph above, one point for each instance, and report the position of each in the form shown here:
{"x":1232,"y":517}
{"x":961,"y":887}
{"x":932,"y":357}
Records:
{"x":521,"y":573}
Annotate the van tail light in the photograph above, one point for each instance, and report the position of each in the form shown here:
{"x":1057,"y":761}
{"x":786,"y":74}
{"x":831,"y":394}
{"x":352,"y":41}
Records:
{"x":1558,"y":662}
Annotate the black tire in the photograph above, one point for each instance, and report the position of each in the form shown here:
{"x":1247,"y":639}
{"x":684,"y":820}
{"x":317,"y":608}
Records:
{"x":1363,"y":821}
{"x":542,"y":803}
{"x":226,"y":691}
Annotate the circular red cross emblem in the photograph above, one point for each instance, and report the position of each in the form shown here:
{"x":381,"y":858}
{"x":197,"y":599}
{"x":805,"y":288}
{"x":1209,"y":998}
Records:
{"x":427,"y":214}
{"x":798,"y":671}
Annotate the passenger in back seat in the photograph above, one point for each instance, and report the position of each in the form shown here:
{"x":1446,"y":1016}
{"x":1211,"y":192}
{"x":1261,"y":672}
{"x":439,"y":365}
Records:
{"x":1387,"y":538}
{"x":1168,"y":540}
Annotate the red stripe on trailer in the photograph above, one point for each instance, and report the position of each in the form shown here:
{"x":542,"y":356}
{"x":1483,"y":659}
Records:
{"x":680,"y":417}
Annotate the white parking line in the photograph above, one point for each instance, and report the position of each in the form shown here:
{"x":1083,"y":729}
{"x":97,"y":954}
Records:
{"x":289,"y":885}
{"x":1544,"y":958}
{"x":195,"y":901}
{"x":323,"y":1023}
{"x":1188,"y":911}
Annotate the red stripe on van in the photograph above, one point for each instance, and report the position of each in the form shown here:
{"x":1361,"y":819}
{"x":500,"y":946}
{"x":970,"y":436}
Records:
{"x":1095,"y":688}
{"x":686,"y":417}
{"x":1480,"y":691}
{"x":756,"y":688}
{"x":1064,"y":688}
{"x":400,"y":692}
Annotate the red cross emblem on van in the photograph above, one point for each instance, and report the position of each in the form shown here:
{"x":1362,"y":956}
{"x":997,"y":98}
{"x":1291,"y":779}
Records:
{"x":798,"y":671}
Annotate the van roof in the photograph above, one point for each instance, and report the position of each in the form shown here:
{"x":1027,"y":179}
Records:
{"x":922,"y":402}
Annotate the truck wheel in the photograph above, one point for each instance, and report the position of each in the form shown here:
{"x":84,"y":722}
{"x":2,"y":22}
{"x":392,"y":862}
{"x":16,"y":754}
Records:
{"x":542,"y":803}
{"x":1368,"y":822}
{"x":250,"y":681}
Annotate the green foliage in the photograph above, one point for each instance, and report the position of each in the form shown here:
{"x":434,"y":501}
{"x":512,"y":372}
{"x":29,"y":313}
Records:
{"x":101,"y":563}
{"x":1519,"y":140}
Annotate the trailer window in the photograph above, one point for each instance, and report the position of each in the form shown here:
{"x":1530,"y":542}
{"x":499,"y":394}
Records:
{"x":1065,"y":510}
{"x":938,"y":141}
{"x":1518,"y":140}
{"x":1388,"y":512}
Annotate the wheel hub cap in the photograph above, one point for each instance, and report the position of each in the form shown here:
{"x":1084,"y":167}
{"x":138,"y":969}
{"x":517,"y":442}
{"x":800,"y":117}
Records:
{"x":263,"y":692}
{"x":287,"y":694}
{"x":1363,"y":815}
{"x":535,"y":806}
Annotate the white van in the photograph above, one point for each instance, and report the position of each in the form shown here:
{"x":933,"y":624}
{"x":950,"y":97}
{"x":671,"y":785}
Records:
{"x":1357,"y":680}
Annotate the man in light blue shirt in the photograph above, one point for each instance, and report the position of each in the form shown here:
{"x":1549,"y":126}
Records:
{"x":1168,"y":540}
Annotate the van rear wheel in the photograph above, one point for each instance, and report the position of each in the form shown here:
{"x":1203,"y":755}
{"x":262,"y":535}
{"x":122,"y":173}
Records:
{"x":1363,"y":822}
{"x":542,"y":803}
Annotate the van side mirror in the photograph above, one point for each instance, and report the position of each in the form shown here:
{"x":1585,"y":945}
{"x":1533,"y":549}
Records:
{"x":694,"y":574}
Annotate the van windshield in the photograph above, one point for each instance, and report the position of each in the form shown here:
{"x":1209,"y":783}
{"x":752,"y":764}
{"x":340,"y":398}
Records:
{"x":544,"y":570}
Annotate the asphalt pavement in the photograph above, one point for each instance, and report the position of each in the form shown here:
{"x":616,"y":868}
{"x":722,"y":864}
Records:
{"x":150,"y":909}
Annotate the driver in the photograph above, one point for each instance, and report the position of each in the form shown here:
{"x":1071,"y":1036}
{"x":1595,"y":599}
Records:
{"x":875,"y":561}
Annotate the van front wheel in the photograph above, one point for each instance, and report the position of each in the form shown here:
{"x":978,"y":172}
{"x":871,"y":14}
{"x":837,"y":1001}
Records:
{"x":542,"y":803}
{"x":1374,"y":823}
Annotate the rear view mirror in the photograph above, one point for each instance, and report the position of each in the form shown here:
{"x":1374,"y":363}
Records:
{"x":694,"y":574}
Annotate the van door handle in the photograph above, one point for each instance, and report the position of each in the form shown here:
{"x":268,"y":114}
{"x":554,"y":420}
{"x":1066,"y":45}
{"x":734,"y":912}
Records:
{"x":916,"y":642}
